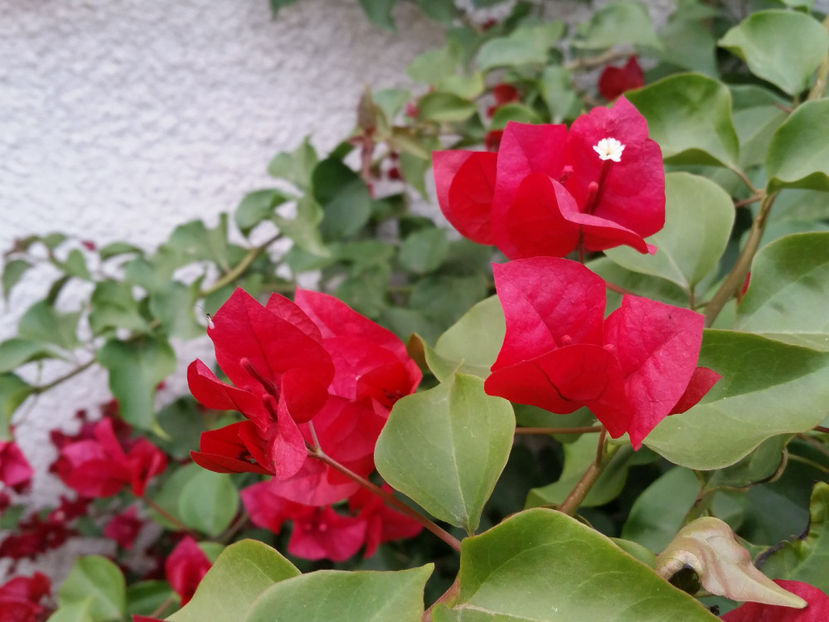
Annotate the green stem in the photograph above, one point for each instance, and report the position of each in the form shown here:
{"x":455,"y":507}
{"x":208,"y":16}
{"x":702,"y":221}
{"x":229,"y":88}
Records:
{"x":571,"y":504}
{"x":737,"y":276}
{"x":67,"y":376}
{"x":744,"y":178}
{"x":239,"y":268}
{"x":578,"y":430}
{"x":388,"y":498}
{"x":589,"y":62}
{"x":447,"y":597}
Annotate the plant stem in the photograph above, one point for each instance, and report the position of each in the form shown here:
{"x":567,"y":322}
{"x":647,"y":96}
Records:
{"x":583,"y":486}
{"x":737,"y":276}
{"x":595,"y":61}
{"x":67,"y":376}
{"x":447,"y":597}
{"x":237,"y":270}
{"x":578,"y":430}
{"x":744,"y":178}
{"x":169,"y":517}
{"x":163,"y":606}
{"x":752,"y":199}
{"x":388,"y":498}
{"x":615,"y":288}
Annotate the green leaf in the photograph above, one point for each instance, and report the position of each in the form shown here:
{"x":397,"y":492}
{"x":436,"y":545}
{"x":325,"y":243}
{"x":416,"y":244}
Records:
{"x":577,"y":457}
{"x":439,"y":10}
{"x":424,"y":251}
{"x":344,"y":197}
{"x":379,"y":12}
{"x":622,"y":21}
{"x":636,"y":283}
{"x":687,"y":42}
{"x":789,"y":292}
{"x":208,"y":502}
{"x":755,"y":127}
{"x":658,"y":513}
{"x":239,"y":575}
{"x":526,"y":45}
{"x":135,"y":369}
{"x":278,"y":4}
{"x":805,"y":558}
{"x":113,"y":307}
{"x":413,"y":168}
{"x":471,"y":345}
{"x":13,"y":271}
{"x":468,"y":87}
{"x":15,"y":352}
{"x":445,"y":297}
{"x":557,"y":92}
{"x":303,"y":228}
{"x":798,"y":156}
{"x":74,"y":265}
{"x":514,"y":111}
{"x":173,"y":305}
{"x":761,"y":464}
{"x":800,"y":205}
{"x":699,"y":215}
{"x":256,"y":207}
{"x":42,"y":322}
{"x":446,"y":447}
{"x":782,"y":47}
{"x":145,"y":597}
{"x":543,"y":565}
{"x":433,"y":65}
{"x":96,"y":577}
{"x":182,"y":423}
{"x":391,"y":101}
{"x":445,"y":107}
{"x":328,"y":595}
{"x":167,"y":497}
{"x":689,"y":115}
{"x":295,"y":166}
{"x":118,"y":248}
{"x":78,"y":611}
{"x":151,"y":273}
{"x":193,"y":241}
{"x":767,"y":388}
{"x":13,"y":391}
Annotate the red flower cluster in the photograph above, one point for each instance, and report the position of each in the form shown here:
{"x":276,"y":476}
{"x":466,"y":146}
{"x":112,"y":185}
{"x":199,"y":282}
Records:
{"x":291,"y":362}
{"x":96,"y":463}
{"x":631,"y":369}
{"x":548,"y":190}
{"x":504,"y":94}
{"x":817,"y":609}
{"x":319,"y":532}
{"x":309,"y":374}
{"x":616,"y":80}
{"x":15,"y":470}
{"x":185,"y":568}
{"x":124,"y":527}
{"x":20,"y":598}
{"x":35,"y":535}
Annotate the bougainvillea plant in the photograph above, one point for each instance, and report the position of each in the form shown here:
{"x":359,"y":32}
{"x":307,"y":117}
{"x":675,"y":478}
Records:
{"x":601,"y":395}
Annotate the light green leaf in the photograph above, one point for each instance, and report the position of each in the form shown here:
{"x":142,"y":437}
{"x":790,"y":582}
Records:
{"x":101,"y":580}
{"x":414,"y":168}
{"x":13,"y":271}
{"x":256,"y":207}
{"x":13,"y":391}
{"x":239,"y":575}
{"x":783,"y":47}
{"x":805,"y":558}
{"x":514,"y":111}
{"x":173,"y":305}
{"x":114,"y":249}
{"x":146,"y":597}
{"x":15,"y":352}
{"x":761,"y":464}
{"x":622,"y":21}
{"x":767,"y":388}
{"x":788,"y":293}
{"x":42,"y":322}
{"x":471,"y":345}
{"x":424,"y":251}
{"x":208,"y":502}
{"x":543,"y":565}
{"x":526,"y":45}
{"x":391,"y":101}
{"x":699,"y":215}
{"x":433,"y":65}
{"x":295,"y":166}
{"x":445,"y":107}
{"x":113,"y":307}
{"x":446,"y":447}
{"x":73,"y":612}
{"x":328,"y":595}
{"x":445,"y":297}
{"x":798,"y":155}
{"x":689,"y":115}
{"x":193,"y":241}
{"x":344,"y":197}
{"x":135,"y":369}
{"x":468,"y":87}
{"x":557,"y":91}
{"x":687,"y":42}
{"x":635,"y":283}
{"x":303,"y":229}
{"x":379,"y":12}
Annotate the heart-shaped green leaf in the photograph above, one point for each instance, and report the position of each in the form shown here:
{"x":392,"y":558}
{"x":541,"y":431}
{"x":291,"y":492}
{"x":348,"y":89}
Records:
{"x":798,"y":155}
{"x":767,"y":388}
{"x":543,"y":565}
{"x":329,"y":595}
{"x":783,"y":47}
{"x":446,"y":447}
{"x":101,"y":580}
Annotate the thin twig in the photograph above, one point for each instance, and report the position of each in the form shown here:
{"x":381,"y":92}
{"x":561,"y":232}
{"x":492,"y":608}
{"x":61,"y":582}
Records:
{"x":589,"y":62}
{"x":744,"y":178}
{"x":388,"y":498}
{"x":239,"y":268}
{"x":67,"y":376}
{"x":169,"y":517}
{"x":752,"y":199}
{"x":583,"y":486}
{"x":577,"y":430}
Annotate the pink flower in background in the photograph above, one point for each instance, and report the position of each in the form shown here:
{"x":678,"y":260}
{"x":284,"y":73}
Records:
{"x":15,"y":470}
{"x":185,"y":567}
{"x":20,"y":598}
{"x":616,"y":80}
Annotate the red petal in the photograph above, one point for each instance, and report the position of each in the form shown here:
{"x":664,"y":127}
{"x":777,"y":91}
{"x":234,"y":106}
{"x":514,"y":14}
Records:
{"x":267,"y":509}
{"x":465,"y":182}
{"x":144,"y":461}
{"x":15,"y":470}
{"x":185,"y":567}
{"x":327,"y":535}
{"x":657,"y":346}
{"x":287,"y":450}
{"x":313,"y":485}
{"x":288,"y":310}
{"x":701,"y":382}
{"x":616,"y":80}
{"x":548,"y":303}
{"x":215,"y":394}
{"x":228,"y":450}
{"x":817,"y":609}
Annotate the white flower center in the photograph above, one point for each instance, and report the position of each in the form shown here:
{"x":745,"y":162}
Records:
{"x":609,"y":149}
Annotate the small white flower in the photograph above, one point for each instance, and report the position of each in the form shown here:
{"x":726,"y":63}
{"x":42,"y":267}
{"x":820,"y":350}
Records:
{"x":609,"y":149}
